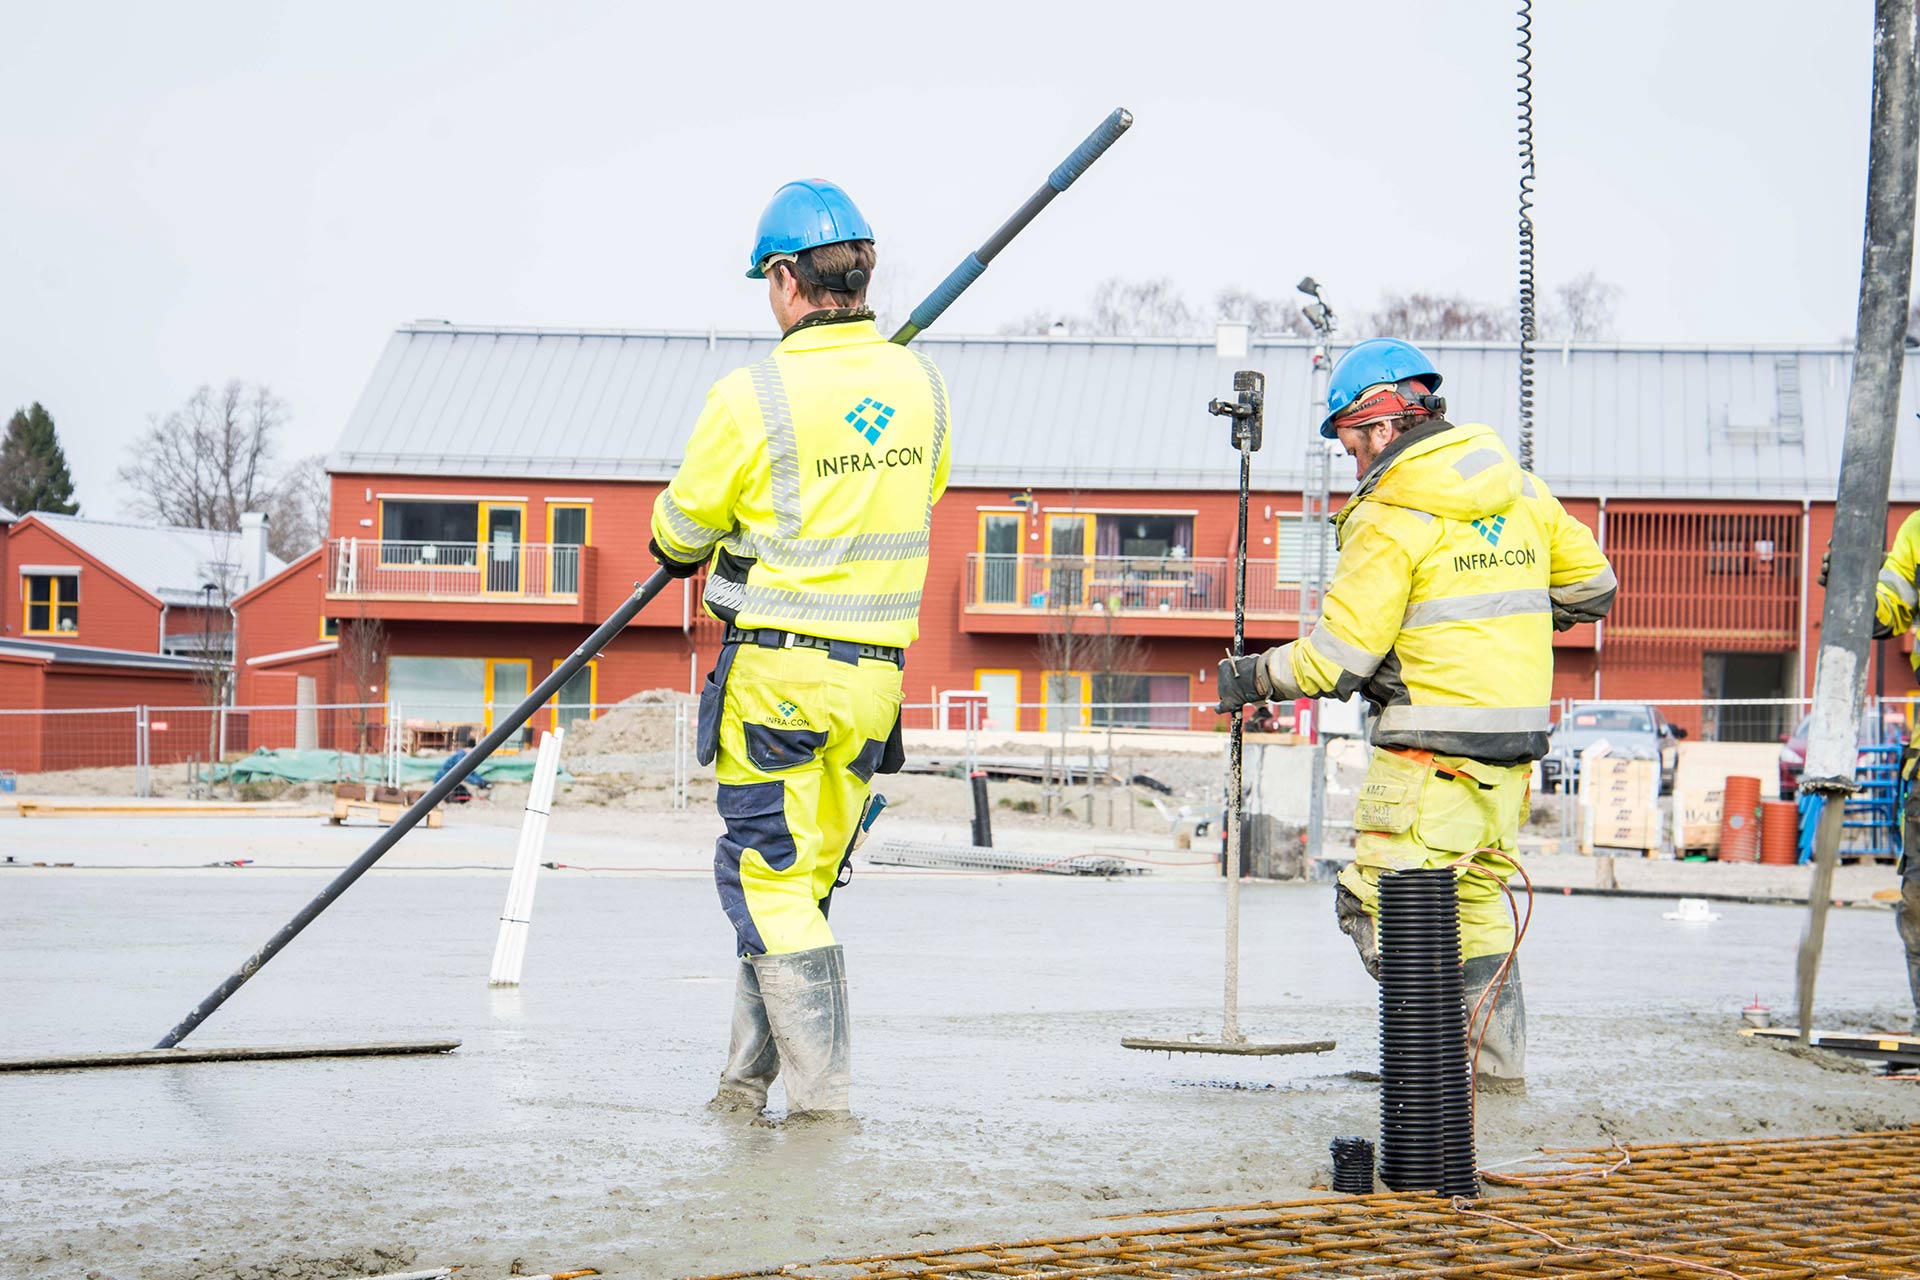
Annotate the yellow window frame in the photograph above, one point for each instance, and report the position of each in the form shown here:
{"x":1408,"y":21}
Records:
{"x":1086,"y":697}
{"x":326,"y":634}
{"x":1003,"y":671}
{"x":485,"y":548}
{"x":586,"y":539}
{"x":486,"y":690}
{"x":593,"y":693}
{"x":54,"y":602}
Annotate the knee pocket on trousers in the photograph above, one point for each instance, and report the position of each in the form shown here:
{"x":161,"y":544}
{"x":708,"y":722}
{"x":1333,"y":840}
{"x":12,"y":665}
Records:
{"x":756,"y":818}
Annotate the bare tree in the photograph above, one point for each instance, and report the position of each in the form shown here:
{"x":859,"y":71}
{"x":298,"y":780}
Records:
{"x":1582,"y":309}
{"x":1119,"y":308}
{"x":210,"y":460}
{"x":297,"y":514}
{"x":363,"y":666}
{"x":1426,"y":317}
{"x":1266,"y":315}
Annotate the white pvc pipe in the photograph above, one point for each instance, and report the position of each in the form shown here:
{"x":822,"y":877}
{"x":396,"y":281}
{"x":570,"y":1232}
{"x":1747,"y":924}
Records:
{"x":510,"y":950}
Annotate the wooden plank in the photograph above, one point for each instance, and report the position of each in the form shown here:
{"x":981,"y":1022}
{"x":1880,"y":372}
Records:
{"x":151,"y":1057}
{"x":1243,"y":1048}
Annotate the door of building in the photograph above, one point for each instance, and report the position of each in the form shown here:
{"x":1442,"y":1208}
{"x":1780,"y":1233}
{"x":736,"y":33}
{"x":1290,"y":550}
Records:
{"x":1003,"y":698}
{"x":1739,"y":676}
{"x":501,"y":535}
{"x":999,"y":558}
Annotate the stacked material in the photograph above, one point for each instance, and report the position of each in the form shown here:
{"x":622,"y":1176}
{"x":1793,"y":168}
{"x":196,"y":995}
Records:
{"x":1426,"y":1085}
{"x":1624,"y":795}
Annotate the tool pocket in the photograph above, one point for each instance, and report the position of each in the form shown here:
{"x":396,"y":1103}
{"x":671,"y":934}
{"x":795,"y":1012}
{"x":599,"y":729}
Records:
{"x":713,"y":698}
{"x":756,"y":818}
{"x":1462,"y":812}
{"x":1390,"y":796}
{"x":771,"y":749}
{"x":893,"y":749}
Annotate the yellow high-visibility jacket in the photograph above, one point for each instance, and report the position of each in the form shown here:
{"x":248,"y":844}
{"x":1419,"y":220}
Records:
{"x":814,"y":474}
{"x":1455,"y":568}
{"x":1895,"y":595}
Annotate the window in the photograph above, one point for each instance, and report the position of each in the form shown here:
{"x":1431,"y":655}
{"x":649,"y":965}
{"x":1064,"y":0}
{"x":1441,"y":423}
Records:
{"x":567,"y":526}
{"x":52,"y":603}
{"x":1292,"y":546}
{"x":329,"y":628}
{"x":1067,"y":697}
{"x":1144,"y":535}
{"x":999,"y":557}
{"x":574,"y":702}
{"x":439,"y":690}
{"x":1129,"y":700}
{"x":431,"y":533}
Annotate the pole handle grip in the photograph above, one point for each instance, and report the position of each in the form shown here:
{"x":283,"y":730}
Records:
{"x":952,"y":287}
{"x":1092,"y":149}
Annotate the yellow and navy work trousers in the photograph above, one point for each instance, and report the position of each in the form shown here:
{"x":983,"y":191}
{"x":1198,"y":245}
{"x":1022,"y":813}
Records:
{"x":1417,"y":809}
{"x":797,"y":735}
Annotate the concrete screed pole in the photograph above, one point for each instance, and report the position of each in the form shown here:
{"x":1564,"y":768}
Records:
{"x":1866,"y":465}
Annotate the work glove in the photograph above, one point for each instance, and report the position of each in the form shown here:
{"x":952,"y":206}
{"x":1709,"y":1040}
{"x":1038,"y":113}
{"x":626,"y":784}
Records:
{"x":675,"y":568}
{"x":1243,"y":680}
{"x":1565,"y":619}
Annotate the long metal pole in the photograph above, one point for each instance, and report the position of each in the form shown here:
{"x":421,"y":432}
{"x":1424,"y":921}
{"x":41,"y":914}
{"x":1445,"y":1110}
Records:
{"x":1866,"y":464}
{"x":976,"y":262}
{"x":420,"y":808}
{"x":1236,"y":788}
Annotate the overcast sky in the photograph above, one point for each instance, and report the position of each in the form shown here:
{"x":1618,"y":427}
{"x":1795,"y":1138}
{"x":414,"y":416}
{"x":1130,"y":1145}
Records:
{"x":196,"y":192}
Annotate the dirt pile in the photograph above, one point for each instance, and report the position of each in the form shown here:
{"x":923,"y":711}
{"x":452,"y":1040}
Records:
{"x":641,"y":725}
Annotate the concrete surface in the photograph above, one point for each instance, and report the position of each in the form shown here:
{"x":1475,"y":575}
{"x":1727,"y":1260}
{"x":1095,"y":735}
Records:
{"x":994,"y":1096}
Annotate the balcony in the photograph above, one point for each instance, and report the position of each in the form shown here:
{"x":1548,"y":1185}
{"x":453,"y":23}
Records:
{"x":1157,"y":595}
{"x":528,"y":581}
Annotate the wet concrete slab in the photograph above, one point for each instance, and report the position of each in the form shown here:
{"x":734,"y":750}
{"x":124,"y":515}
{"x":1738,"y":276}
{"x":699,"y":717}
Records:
{"x":995,"y":1098}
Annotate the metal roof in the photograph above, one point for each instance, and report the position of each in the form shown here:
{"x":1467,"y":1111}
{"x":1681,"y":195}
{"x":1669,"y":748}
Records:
{"x":40,"y":650}
{"x":1610,"y":419}
{"x":6,"y":516}
{"x":169,"y":561}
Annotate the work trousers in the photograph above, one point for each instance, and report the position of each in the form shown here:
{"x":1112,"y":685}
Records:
{"x":1906,"y":915}
{"x":1417,"y":809}
{"x":801,"y":734}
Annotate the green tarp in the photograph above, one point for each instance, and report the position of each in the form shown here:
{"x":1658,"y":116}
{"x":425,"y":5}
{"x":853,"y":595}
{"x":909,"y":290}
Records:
{"x":342,"y":766}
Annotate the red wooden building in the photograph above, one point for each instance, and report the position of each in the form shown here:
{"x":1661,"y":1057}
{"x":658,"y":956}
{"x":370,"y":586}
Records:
{"x":492,"y":489}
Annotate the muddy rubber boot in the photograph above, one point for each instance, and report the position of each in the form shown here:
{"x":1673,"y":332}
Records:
{"x":1502,"y":1064}
{"x":752,"y":1059}
{"x":806,"y":1002}
{"x":1358,"y":925}
{"x":1906,"y":918}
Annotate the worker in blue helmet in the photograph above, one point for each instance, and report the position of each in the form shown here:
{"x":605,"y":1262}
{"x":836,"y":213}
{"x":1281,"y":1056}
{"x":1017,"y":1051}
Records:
{"x":1456,"y":568}
{"x":808,"y":487}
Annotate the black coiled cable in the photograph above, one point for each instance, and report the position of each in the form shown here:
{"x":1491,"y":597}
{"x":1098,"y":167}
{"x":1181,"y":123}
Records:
{"x":1526,"y":233}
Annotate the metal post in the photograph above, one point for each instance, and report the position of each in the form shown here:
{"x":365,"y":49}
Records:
{"x":1866,"y":464}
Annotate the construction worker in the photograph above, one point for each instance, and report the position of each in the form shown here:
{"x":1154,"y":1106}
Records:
{"x":809,"y":481}
{"x":1456,"y":567}
{"x":1895,"y":597}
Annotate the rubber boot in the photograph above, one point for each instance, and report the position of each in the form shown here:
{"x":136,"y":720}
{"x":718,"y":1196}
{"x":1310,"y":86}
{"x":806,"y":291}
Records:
{"x":806,"y":1003}
{"x":1502,"y":1064}
{"x":1906,"y":918}
{"x":1358,"y":925}
{"x":752,"y":1059}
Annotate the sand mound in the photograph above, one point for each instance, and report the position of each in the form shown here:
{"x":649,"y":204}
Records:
{"x":640,"y":725}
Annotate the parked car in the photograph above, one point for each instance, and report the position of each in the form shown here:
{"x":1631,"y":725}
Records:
{"x":1635,"y":730}
{"x":1793,"y":747}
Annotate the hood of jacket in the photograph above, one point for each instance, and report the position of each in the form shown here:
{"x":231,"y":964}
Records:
{"x":1460,"y":471}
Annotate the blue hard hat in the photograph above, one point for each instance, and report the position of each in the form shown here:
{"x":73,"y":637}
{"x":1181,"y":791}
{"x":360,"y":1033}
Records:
{"x":806,"y":215}
{"x":1368,"y":364}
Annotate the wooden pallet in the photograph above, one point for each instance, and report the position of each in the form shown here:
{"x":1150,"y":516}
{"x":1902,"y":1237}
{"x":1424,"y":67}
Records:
{"x":387,"y":813}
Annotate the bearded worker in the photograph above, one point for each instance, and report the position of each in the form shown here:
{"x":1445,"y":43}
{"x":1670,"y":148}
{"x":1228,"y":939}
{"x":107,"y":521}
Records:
{"x":1456,"y":567}
{"x":810,"y":482}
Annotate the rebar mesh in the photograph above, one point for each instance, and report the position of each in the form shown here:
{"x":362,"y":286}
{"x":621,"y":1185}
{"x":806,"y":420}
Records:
{"x":1842,"y":1206}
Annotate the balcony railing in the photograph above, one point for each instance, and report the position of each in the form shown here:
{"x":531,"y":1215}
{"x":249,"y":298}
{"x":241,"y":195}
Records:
{"x":1131,"y":584}
{"x":373,"y":569}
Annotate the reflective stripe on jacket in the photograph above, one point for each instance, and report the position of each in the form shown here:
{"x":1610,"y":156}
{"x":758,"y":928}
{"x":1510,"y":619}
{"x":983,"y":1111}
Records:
{"x":1455,"y":567}
{"x":814,"y":473}
{"x":1895,"y":597}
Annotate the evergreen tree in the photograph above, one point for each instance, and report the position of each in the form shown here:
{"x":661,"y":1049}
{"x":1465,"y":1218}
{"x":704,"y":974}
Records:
{"x":33,"y":467}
